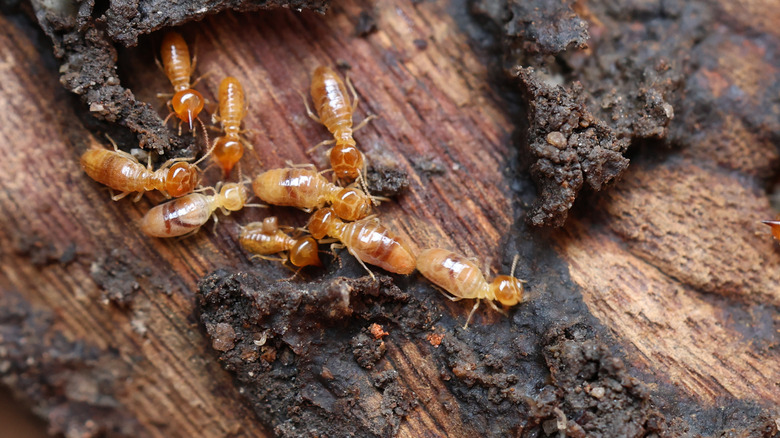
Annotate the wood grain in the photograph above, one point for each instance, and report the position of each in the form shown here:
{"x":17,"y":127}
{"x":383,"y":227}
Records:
{"x":674,"y":264}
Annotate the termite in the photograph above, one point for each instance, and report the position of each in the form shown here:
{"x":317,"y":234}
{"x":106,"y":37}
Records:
{"x":266,"y":238}
{"x":228,"y":149}
{"x":775,"y":228}
{"x":187,"y":214}
{"x":463,"y":279}
{"x":186,"y":102}
{"x":366,"y":239}
{"x":122,"y":172}
{"x":305,"y":188}
{"x":332,"y":104}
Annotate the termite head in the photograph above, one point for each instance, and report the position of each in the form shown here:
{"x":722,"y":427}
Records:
{"x":182,"y":178}
{"x":507,"y":290}
{"x":187,"y":104}
{"x":320,"y":222}
{"x":351,"y":204}
{"x":305,"y":253}
{"x":233,"y":196}
{"x":227,"y":152}
{"x":775,"y":228}
{"x":346,"y":160}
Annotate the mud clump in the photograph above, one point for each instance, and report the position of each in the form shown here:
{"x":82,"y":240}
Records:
{"x":386,"y":181}
{"x":84,"y":35}
{"x":570,"y":146}
{"x":303,"y":354}
{"x":605,"y":75}
{"x":597,"y":395}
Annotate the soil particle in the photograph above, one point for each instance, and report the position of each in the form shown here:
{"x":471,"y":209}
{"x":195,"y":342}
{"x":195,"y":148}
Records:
{"x":324,"y":354}
{"x":71,"y":384}
{"x":386,"y":181}
{"x":429,"y":166}
{"x":420,"y":44}
{"x":537,"y":26}
{"x":596,"y":392}
{"x":42,"y":252}
{"x":367,"y":350}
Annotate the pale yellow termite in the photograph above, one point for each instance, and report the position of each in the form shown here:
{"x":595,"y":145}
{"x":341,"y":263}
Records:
{"x":462,"y":278}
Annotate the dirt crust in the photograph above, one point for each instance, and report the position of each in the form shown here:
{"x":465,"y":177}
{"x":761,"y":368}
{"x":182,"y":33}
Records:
{"x":597,"y":78}
{"x":84,"y":35}
{"x":304,"y":353}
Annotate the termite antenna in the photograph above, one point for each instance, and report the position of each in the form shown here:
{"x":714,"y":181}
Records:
{"x":514,"y":264}
{"x":211,"y":149}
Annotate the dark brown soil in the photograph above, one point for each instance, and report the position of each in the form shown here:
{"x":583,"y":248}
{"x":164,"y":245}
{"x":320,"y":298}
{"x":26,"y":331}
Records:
{"x":304,"y":353}
{"x":593,"y":86}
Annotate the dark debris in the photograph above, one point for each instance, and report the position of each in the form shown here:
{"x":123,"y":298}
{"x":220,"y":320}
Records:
{"x":386,"y":181}
{"x":303,"y":352}
{"x":613,"y":66}
{"x":366,"y":24}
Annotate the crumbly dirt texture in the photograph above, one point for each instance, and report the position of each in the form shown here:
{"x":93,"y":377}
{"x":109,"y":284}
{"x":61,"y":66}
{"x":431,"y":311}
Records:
{"x":304,"y":353}
{"x":84,"y":37}
{"x":594,"y":86}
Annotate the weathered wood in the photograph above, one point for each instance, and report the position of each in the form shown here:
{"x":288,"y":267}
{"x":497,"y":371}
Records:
{"x":674,"y":265}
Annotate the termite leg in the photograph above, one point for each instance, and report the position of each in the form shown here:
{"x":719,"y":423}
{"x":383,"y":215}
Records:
{"x":355,"y":97}
{"x":119,"y":196}
{"x":295,"y":273}
{"x":308,"y":110}
{"x":496,"y":308}
{"x":247,"y":144}
{"x":471,"y":314}
{"x":447,"y":294}
{"x":373,"y":277}
{"x":364,"y":121}
{"x":322,"y":143}
{"x":289,"y":163}
{"x":269,"y":258}
{"x":203,"y":76}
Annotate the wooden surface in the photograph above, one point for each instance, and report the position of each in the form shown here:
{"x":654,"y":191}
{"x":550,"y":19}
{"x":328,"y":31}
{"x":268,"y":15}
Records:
{"x":675,"y":265}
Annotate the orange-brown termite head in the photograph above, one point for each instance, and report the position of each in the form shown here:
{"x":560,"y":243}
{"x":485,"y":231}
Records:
{"x":320,"y":222}
{"x":347,"y":160}
{"x":187,"y":105}
{"x":228,"y":152}
{"x":775,"y":228}
{"x":351,"y":204}
{"x":507,"y":290}
{"x":182,"y":178}
{"x":305,"y":252}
